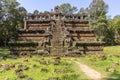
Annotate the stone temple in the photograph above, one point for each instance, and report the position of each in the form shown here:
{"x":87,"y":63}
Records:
{"x":57,"y":34}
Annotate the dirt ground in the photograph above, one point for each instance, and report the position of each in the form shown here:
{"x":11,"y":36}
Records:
{"x":91,"y":73}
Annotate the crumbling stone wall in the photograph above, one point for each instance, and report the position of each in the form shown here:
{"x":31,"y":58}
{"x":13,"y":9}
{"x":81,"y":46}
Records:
{"x":59,"y":34}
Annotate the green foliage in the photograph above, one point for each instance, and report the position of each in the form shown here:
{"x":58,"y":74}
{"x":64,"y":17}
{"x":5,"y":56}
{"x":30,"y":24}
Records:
{"x":110,"y":34}
{"x":101,"y":27}
{"x":116,"y":27}
{"x":113,"y":31}
{"x":10,"y":19}
{"x":96,"y":9}
{"x":83,"y":11}
{"x":67,"y":69}
{"x":102,"y":62}
{"x":67,"y":8}
{"x":97,"y":15}
{"x":12,"y":14}
{"x":36,"y":12}
{"x":4,"y":52}
{"x":23,"y":43}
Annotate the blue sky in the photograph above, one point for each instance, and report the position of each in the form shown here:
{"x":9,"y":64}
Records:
{"x":42,"y":5}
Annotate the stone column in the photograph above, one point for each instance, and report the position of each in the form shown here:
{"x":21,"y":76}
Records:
{"x":25,"y":25}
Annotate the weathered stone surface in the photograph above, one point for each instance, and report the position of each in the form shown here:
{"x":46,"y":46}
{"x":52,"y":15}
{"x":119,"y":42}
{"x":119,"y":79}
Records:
{"x":26,"y":60}
{"x":54,"y":33}
{"x":44,"y":69}
{"x":102,"y":57}
{"x":43,"y":62}
{"x":56,"y":63}
{"x":29,"y":79}
{"x":6,"y":79}
{"x":6,"y":66}
{"x":68,"y":69}
{"x":53,"y":78}
{"x":59,"y":70}
{"x":18,"y":70}
{"x":117,"y":63}
{"x":20,"y":66}
{"x":25,"y":67}
{"x":112,"y":69}
{"x":2,"y":58}
{"x":12,"y":66}
{"x":34,"y":65}
{"x":21,"y":75}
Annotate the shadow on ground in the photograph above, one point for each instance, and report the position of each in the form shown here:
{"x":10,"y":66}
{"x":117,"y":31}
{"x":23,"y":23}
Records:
{"x":113,"y":76}
{"x":5,"y":53}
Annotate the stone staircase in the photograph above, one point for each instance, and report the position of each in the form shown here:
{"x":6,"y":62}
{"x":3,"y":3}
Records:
{"x":57,"y":39}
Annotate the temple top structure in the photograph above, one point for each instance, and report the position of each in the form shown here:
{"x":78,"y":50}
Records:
{"x":57,"y":9}
{"x":56,"y":14}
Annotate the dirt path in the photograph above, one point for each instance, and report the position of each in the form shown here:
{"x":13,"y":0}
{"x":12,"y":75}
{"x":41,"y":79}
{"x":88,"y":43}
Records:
{"x":91,"y":73}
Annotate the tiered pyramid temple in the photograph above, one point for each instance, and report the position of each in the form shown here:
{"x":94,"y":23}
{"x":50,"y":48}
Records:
{"x":56,"y":33}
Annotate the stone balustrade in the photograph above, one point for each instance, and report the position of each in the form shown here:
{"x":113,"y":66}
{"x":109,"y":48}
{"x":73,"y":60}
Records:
{"x":54,"y":16}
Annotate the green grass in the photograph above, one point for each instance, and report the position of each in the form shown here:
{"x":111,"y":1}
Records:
{"x":112,"y":55}
{"x":4,"y":52}
{"x":35,"y":72}
{"x":79,"y":71}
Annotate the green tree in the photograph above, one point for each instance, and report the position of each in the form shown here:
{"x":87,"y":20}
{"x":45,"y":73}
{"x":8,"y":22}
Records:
{"x":11,"y":19}
{"x":110,"y":34}
{"x":101,"y":27}
{"x":97,"y":15}
{"x":96,"y":9}
{"x":116,"y":21}
{"x":22,"y":13}
{"x":0,"y":10}
{"x":35,"y":12}
{"x":67,"y":8}
{"x":82,"y":10}
{"x":116,"y":27}
{"x":46,"y":12}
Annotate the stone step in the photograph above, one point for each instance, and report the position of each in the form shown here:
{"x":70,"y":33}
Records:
{"x":57,"y":39}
